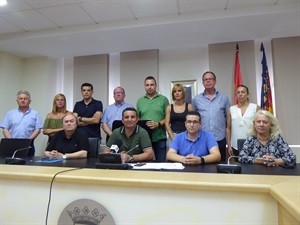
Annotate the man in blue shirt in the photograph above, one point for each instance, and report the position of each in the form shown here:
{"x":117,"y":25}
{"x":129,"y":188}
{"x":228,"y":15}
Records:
{"x":114,"y":111}
{"x":89,"y":112}
{"x":22,"y":122}
{"x":213,"y":105}
{"x":194,"y":146}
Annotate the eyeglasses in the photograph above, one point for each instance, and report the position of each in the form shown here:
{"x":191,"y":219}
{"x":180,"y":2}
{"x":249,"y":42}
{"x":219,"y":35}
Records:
{"x":209,"y":79}
{"x":117,"y":93}
{"x":192,"y":122}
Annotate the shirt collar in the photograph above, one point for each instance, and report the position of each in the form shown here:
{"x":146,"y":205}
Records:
{"x":186,"y":135}
{"x":122,"y":130}
{"x":28,"y":110}
{"x":119,"y":105}
{"x":156,"y":95}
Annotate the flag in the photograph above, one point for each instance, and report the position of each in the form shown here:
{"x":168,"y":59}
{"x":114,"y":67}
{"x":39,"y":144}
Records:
{"x":237,"y":74}
{"x":266,"y":94}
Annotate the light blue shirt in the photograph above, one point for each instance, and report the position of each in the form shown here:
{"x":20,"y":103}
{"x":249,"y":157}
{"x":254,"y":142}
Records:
{"x":114,"y":112}
{"x":213,"y":113}
{"x":21,"y":125}
{"x":200,"y":147}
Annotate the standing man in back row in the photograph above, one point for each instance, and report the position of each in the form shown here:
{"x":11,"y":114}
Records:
{"x":152,"y":106}
{"x":89,"y":112}
{"x":22,"y":122}
{"x":114,"y":111}
{"x":213,"y":105}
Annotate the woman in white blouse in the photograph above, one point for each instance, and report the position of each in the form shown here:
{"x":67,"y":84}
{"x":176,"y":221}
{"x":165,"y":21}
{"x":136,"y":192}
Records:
{"x":239,"y":119}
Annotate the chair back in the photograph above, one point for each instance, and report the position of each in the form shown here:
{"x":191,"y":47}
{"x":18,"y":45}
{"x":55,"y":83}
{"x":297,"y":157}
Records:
{"x":93,"y":147}
{"x":240,"y":143}
{"x":142,"y":123}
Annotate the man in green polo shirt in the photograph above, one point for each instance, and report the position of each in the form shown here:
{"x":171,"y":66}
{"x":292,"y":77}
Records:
{"x":134,"y":141}
{"x":152,"y":106}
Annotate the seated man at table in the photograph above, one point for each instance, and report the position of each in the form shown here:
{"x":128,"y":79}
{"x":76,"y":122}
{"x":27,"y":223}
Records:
{"x":69,"y":143}
{"x":194,"y":146}
{"x":135,"y":143}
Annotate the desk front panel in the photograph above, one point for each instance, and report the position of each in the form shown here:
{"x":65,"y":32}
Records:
{"x":147,"y":202}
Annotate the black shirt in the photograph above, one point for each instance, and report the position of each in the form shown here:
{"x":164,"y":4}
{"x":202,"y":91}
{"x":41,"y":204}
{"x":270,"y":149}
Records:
{"x":78,"y":141}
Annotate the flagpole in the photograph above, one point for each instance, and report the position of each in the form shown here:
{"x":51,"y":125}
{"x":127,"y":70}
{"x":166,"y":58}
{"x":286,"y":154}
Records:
{"x":266,"y":102}
{"x":237,"y":74}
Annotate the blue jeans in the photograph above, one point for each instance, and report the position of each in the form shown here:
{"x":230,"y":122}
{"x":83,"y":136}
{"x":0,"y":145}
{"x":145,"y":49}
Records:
{"x":160,"y":150}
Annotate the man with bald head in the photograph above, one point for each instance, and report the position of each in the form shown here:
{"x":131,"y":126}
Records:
{"x":69,"y":143}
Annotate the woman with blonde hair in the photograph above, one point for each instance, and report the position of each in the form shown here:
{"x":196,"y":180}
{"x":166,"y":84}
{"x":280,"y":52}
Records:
{"x":53,"y":121}
{"x":265,"y":145}
{"x":176,"y":112}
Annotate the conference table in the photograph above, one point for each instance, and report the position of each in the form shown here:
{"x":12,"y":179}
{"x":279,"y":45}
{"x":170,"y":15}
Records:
{"x":193,"y":195}
{"x":208,"y":168}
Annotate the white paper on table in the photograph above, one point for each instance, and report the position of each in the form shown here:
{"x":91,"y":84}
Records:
{"x":158,"y":166}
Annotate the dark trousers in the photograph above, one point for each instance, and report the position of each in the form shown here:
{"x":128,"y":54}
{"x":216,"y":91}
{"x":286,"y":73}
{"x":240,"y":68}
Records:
{"x":32,"y":149}
{"x":160,"y":150}
{"x":222,"y":147}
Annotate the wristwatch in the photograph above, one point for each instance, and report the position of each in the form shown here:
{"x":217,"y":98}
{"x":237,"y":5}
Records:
{"x":80,"y":119}
{"x":64,"y":157}
{"x":202,"y":160}
{"x":131,"y":159}
{"x":159,"y":124}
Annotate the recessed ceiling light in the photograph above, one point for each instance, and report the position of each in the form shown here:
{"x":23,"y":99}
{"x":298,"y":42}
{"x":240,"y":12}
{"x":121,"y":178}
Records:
{"x":3,"y":2}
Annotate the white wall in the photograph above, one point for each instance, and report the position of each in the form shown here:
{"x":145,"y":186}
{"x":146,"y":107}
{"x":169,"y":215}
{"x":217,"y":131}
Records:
{"x":45,"y":77}
{"x":181,"y":64}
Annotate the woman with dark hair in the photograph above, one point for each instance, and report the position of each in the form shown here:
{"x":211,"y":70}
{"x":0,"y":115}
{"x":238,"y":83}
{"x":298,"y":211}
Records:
{"x":239,"y":119}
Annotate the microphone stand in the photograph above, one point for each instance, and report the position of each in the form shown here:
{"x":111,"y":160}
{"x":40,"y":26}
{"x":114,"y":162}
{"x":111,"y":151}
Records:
{"x":229,"y":168}
{"x":130,"y":150}
{"x":17,"y":161}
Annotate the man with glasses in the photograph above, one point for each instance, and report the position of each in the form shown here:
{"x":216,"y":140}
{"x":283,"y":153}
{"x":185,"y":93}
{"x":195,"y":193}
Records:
{"x":114,"y":111}
{"x":194,"y":146}
{"x":213,"y":106}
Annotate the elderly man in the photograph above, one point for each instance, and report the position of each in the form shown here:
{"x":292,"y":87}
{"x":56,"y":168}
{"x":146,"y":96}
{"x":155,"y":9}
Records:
{"x":135,"y":142}
{"x":69,"y":143}
{"x":22,"y":122}
{"x":114,"y":111}
{"x":194,"y":146}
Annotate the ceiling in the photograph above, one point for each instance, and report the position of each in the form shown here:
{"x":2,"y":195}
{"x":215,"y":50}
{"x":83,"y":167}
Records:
{"x":67,"y":28}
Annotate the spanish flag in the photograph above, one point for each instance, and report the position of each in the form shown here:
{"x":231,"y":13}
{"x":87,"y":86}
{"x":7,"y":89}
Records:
{"x":266,"y":93}
{"x":237,"y":74}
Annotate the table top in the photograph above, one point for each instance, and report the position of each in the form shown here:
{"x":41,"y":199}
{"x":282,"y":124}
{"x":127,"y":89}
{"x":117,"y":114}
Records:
{"x":207,"y":168}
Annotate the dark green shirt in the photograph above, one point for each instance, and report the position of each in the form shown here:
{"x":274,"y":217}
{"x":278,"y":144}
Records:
{"x":140,"y":137}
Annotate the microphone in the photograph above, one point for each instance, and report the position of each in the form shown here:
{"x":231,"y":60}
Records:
{"x":229,"y":168}
{"x":18,"y":161}
{"x":130,"y":150}
{"x":115,"y":148}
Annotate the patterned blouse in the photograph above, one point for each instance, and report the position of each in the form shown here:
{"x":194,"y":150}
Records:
{"x":276,"y":147}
